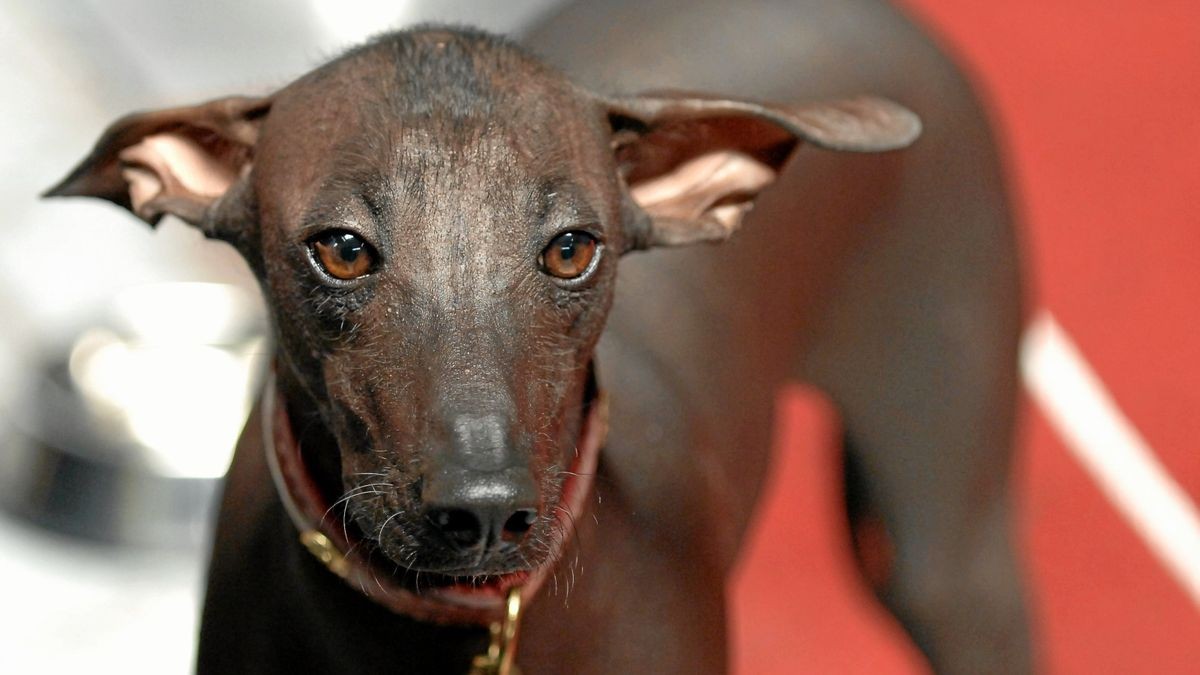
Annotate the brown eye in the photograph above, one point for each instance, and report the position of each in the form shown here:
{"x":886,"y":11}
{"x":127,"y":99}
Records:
{"x":569,"y":254}
{"x":343,"y":254}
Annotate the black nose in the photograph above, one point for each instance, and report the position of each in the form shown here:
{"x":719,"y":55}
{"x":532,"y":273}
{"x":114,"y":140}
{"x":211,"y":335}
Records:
{"x":471,"y":528}
{"x":472,"y":509}
{"x":479,"y":490}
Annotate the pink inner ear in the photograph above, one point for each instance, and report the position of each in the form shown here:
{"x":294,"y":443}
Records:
{"x":176,"y":166}
{"x":144,"y":185}
{"x":690,"y":190}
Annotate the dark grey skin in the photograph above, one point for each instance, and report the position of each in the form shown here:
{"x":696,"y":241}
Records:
{"x":459,"y":364}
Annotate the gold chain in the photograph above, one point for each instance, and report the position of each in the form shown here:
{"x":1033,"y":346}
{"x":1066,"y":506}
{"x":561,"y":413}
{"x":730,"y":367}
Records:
{"x":326,"y":551}
{"x":502,"y":651}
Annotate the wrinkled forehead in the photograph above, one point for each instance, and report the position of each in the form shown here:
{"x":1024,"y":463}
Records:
{"x":434,"y":112}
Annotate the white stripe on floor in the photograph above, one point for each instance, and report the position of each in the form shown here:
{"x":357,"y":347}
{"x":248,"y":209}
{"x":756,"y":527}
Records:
{"x":1111,"y":450}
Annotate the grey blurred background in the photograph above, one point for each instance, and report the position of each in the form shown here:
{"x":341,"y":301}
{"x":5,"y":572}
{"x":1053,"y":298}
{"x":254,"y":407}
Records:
{"x":117,"y":338}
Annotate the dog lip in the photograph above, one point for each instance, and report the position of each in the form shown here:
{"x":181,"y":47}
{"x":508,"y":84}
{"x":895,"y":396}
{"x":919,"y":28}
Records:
{"x":459,"y":583}
{"x":470,"y":583}
{"x":475,"y":571}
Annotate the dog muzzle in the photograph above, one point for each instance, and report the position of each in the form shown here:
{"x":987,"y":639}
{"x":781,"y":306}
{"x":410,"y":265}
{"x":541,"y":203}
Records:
{"x":499,"y":607}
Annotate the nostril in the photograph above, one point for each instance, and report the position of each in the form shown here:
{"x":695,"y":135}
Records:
{"x":461,"y":527}
{"x":518,"y":524}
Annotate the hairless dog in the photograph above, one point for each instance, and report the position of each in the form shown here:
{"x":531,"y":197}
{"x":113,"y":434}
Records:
{"x":447,"y":445}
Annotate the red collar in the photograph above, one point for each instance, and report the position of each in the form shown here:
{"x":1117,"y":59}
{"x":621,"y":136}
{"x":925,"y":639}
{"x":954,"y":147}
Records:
{"x":309,"y":512}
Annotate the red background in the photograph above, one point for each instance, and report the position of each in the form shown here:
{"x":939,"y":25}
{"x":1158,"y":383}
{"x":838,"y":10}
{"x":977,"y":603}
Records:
{"x":1097,"y":106}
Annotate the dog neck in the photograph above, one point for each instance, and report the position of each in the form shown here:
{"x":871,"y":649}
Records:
{"x":332,"y":546}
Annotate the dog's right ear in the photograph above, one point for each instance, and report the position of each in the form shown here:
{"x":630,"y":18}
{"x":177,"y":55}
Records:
{"x":693,"y":164}
{"x":178,"y":161}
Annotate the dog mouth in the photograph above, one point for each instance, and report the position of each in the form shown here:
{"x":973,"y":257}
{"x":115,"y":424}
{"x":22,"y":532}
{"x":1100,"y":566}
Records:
{"x":478,"y":578}
{"x":470,"y":593}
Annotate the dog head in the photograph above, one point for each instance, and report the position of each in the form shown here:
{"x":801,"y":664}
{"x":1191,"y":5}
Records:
{"x":435,"y":219}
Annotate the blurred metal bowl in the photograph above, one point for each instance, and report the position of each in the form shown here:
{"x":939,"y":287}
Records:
{"x":123,"y":436}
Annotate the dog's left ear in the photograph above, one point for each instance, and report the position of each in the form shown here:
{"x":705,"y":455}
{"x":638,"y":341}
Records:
{"x":693,"y":164}
{"x":178,"y":161}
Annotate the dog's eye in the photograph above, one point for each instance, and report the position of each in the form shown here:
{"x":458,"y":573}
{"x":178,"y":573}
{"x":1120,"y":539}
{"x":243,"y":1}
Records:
{"x":343,"y":254}
{"x":569,"y":254}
